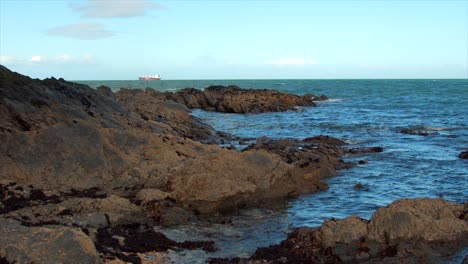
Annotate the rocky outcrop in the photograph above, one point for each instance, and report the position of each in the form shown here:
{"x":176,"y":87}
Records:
{"x":111,"y":165}
{"x":48,"y":244}
{"x":463,"y":155}
{"x":406,"y":231}
{"x":60,"y":136}
{"x":419,"y":131}
{"x":232,"y":99}
{"x":173,"y":118}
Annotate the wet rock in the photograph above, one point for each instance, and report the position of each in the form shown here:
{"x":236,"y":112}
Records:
{"x":358,"y":186}
{"x":364,"y":150}
{"x":408,"y":230}
{"x":232,"y":99}
{"x":463,"y":155}
{"x":325,"y":140}
{"x":317,"y":98}
{"x":169,"y":213}
{"x":419,"y":131}
{"x":51,"y":244}
{"x":125,"y":241}
{"x":293,"y":150}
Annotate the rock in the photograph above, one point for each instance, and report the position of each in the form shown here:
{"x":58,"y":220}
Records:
{"x":463,"y":155}
{"x":358,"y":186}
{"x":317,"y":98}
{"x":61,"y":136}
{"x":325,"y":140}
{"x":408,"y":230}
{"x":125,"y":241}
{"x":364,"y":150}
{"x":232,"y":99}
{"x":419,"y":131}
{"x":169,"y":213}
{"x":51,"y":244}
{"x":411,"y":219}
{"x":84,"y":213}
{"x":172,"y":117}
{"x":105,"y":90}
{"x":147,"y":195}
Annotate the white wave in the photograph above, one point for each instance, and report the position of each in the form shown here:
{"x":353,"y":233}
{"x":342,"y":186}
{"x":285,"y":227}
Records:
{"x":333,"y":100}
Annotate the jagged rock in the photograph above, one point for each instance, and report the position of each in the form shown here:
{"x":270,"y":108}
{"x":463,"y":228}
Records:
{"x":232,"y":99}
{"x":60,"y":136}
{"x":318,"y":155}
{"x":409,"y":231}
{"x":51,"y":244}
{"x":172,"y":117}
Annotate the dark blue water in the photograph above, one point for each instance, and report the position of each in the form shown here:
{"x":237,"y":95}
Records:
{"x":364,"y":113}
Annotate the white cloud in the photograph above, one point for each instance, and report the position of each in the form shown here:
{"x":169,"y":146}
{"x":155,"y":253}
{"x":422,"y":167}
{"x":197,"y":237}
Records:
{"x":86,"y":31}
{"x":35,"y":58}
{"x":114,"y":8}
{"x":63,"y":58}
{"x":44,"y":60}
{"x":291,"y":61}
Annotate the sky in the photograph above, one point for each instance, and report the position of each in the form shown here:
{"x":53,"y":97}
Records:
{"x":227,"y":39}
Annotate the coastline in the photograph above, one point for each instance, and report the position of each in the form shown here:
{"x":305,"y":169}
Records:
{"x":143,"y":160}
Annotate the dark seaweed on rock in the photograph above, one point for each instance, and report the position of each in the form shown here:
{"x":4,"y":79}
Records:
{"x":141,"y":238}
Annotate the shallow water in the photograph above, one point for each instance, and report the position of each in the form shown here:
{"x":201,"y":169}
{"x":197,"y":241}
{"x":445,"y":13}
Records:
{"x":364,"y":113}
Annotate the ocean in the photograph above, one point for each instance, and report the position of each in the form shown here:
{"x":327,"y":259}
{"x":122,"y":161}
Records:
{"x":362,"y":112}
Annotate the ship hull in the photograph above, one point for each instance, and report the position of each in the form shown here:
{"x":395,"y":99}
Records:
{"x":148,"y":79}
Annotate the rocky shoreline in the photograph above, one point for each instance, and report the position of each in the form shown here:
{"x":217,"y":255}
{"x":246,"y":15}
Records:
{"x":88,"y":172}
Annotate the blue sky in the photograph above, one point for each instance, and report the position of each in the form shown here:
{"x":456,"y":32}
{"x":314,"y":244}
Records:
{"x":117,"y":39}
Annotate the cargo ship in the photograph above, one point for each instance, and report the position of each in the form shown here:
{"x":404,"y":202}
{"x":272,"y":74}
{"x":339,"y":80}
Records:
{"x":150,"y":77}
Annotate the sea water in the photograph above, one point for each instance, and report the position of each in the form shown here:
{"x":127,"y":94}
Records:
{"x":365,"y":113}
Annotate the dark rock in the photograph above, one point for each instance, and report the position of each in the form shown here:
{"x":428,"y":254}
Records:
{"x":105,"y":90}
{"x":141,"y":238}
{"x":419,"y":131}
{"x":317,"y":98}
{"x":463,"y":155}
{"x":358,"y":186}
{"x":232,"y":99}
{"x":364,"y":150}
{"x":325,"y":140}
